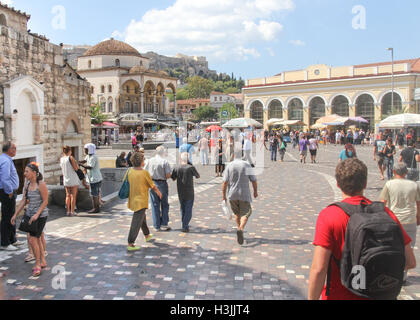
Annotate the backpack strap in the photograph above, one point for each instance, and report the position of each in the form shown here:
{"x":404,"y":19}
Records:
{"x":349,"y":209}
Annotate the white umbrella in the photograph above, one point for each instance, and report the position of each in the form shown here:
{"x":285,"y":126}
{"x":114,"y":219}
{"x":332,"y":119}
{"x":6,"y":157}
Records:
{"x":400,"y":121}
{"x":274,"y":121}
{"x":242,"y":123}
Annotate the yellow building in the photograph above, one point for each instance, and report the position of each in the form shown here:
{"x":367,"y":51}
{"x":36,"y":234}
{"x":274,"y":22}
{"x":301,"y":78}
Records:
{"x":320,"y":90}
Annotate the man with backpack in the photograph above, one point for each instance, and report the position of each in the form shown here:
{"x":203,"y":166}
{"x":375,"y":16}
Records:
{"x":361,"y":249}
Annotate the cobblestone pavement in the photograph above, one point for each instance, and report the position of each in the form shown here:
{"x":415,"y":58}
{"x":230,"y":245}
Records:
{"x":206,"y":263}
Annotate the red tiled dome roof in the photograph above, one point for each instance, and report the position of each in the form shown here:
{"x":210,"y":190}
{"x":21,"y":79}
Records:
{"x":112,"y":47}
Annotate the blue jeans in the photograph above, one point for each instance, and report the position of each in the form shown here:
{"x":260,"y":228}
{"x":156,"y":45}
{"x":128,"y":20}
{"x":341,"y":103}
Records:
{"x":273,"y":154}
{"x":389,"y":167}
{"x":160,"y":208}
{"x":186,"y":212}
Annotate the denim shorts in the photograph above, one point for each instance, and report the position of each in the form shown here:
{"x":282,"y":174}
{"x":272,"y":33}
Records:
{"x":95,"y":189}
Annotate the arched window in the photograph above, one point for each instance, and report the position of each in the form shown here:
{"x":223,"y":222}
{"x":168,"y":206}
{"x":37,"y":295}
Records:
{"x":295,"y":108}
{"x":117,"y":62}
{"x":387,"y":108}
{"x":110,"y":105}
{"x":257,"y":111}
{"x":275,"y":109}
{"x":127,"y":107}
{"x":3,"y":21}
{"x":365,"y":108}
{"x":90,"y":64}
{"x":317,"y":109}
{"x":340,"y":106}
{"x":110,"y":88}
{"x":102,"y":89}
{"x":92,"y":90}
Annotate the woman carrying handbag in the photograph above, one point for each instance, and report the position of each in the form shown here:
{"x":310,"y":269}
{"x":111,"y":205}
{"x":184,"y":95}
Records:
{"x":36,"y":214}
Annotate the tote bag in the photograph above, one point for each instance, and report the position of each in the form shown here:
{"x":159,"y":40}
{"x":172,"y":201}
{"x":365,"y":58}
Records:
{"x":125,"y":188}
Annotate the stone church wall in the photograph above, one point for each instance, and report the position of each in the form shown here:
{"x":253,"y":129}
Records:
{"x":66,"y":95}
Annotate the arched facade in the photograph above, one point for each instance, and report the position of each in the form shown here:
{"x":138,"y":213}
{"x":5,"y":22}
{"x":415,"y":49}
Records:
{"x":257,"y":111}
{"x":275,"y":109}
{"x":340,"y":105}
{"x":149,"y":97}
{"x":295,"y":109}
{"x":129,"y":95}
{"x":365,"y":108}
{"x":316,"y":109}
{"x":390,"y":107}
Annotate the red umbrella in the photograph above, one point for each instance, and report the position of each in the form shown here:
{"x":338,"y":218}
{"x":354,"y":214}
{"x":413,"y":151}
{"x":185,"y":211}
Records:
{"x":214,"y":128}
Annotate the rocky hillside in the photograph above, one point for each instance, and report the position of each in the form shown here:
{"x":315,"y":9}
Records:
{"x":179,"y":65}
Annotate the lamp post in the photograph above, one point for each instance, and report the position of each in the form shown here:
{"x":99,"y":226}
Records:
{"x":392,"y":99}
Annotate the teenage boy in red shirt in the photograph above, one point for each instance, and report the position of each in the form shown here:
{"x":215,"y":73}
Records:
{"x":351,"y":176}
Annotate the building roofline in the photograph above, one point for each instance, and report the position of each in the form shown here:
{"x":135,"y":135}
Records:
{"x":5,"y":6}
{"x":301,"y":82}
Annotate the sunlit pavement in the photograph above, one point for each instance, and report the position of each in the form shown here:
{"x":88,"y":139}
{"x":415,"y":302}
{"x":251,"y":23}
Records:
{"x":88,"y":258}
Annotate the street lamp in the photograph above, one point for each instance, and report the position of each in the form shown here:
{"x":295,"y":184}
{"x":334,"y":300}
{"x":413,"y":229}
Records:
{"x":392,"y":55}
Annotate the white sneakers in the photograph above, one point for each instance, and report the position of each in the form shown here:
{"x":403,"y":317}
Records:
{"x":14,"y":246}
{"x":18,"y":243}
{"x":9,"y":248}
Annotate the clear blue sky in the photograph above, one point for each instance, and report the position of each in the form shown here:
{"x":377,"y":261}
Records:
{"x":301,"y":33}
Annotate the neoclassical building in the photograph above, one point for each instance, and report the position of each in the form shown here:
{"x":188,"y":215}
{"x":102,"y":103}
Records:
{"x":44,"y":103}
{"x":320,"y":90}
{"x":122,"y":82}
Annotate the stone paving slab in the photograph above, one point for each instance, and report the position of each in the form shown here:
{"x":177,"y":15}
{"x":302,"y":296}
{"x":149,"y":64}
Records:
{"x":206,"y":264}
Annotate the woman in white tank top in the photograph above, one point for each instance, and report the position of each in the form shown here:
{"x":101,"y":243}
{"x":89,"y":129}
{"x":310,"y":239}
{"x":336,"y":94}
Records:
{"x":71,"y":180}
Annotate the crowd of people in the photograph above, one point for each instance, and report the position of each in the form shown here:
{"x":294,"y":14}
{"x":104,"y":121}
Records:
{"x":148,"y":183}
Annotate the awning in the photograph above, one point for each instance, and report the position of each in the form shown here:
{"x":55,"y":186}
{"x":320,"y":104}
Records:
{"x":401,"y":121}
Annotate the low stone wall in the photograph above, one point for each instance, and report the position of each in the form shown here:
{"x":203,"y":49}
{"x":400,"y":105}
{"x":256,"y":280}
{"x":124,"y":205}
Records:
{"x":112,"y":180}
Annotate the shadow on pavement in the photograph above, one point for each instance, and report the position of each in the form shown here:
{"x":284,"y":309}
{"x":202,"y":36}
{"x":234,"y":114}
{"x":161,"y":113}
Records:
{"x":106,"y":271}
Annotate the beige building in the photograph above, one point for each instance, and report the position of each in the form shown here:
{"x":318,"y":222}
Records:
{"x":122,"y":82}
{"x":320,"y":90}
{"x":44,"y":103}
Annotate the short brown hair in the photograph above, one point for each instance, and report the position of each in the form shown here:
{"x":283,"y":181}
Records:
{"x":351,"y":176}
{"x":137,"y":159}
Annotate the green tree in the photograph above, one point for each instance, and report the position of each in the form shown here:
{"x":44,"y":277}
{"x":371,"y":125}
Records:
{"x":96,"y":115}
{"x":231,"y":111}
{"x":205,"y":113}
{"x":199,"y":88}
{"x":182,"y":94}
{"x":231,"y":90}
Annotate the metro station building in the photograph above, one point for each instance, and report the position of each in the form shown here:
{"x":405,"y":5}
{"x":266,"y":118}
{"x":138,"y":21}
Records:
{"x":321,"y":90}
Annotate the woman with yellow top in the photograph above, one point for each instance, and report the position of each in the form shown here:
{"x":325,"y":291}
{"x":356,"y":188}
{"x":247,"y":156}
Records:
{"x":138,"y":201}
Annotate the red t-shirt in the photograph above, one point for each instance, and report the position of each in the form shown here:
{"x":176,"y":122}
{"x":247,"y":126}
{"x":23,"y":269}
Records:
{"x":330,"y":234}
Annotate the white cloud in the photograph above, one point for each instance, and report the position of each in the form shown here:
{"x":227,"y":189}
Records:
{"x":298,"y":43}
{"x":219,"y":29}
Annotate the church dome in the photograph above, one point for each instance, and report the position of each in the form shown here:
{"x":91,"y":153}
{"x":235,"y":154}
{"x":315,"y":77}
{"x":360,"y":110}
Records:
{"x":112,"y":47}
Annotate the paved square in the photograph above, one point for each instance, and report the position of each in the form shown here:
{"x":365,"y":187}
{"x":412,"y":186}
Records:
{"x":205,"y":264}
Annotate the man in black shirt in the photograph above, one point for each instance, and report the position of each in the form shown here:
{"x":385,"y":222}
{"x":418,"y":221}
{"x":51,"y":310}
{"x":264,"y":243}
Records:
{"x":400,"y":139}
{"x":410,"y":156}
{"x":184,"y":174}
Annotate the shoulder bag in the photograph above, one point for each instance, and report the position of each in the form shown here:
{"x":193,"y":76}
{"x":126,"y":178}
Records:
{"x":125,"y":188}
{"x":24,"y":224}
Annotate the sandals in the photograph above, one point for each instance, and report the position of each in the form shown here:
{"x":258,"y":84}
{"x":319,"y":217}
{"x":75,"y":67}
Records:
{"x":36,"y":272}
{"x":29,"y":258}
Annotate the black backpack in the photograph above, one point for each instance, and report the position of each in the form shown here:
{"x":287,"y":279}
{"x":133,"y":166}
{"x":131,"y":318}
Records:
{"x":373,"y":260}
